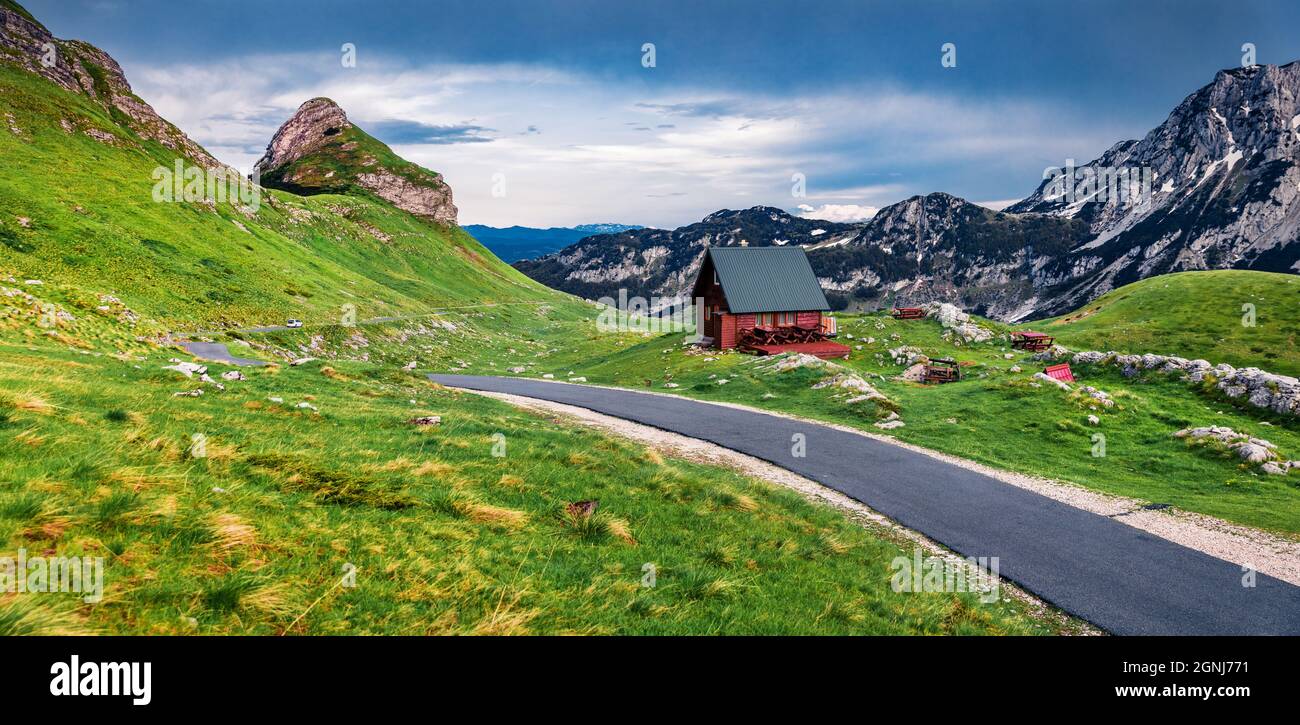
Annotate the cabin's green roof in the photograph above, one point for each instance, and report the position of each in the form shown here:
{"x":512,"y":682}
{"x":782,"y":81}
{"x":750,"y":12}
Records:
{"x":767,"y":279}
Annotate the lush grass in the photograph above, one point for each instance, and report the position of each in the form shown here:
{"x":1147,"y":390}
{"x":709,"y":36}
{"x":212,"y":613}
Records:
{"x":1194,"y":315}
{"x":445,"y":537}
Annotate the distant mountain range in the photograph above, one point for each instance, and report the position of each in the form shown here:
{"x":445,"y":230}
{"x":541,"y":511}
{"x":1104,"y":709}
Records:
{"x":514,"y":243}
{"x":659,"y":262}
{"x":1216,"y":186}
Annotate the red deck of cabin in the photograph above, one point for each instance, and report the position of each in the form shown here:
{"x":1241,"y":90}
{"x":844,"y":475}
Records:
{"x":764,"y":300}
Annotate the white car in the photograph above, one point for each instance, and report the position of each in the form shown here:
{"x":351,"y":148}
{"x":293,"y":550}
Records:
{"x":293,"y":324}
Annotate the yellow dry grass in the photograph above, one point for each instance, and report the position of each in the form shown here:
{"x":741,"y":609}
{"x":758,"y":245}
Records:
{"x":231,"y":532}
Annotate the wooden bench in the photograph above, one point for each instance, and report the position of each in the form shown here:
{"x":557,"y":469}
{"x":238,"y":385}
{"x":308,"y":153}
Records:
{"x":1032,"y":341}
{"x":941,"y":370}
{"x":907,"y":313}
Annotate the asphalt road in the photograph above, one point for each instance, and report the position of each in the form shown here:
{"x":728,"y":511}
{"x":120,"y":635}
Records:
{"x":218,"y":352}
{"x":1121,"y":579}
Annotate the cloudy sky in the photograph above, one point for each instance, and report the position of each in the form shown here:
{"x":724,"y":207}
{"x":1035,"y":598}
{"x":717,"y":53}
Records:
{"x":555,"y":102}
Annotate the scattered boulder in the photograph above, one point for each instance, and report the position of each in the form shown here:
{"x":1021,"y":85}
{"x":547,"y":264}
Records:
{"x":578,"y":380}
{"x":849,"y":381}
{"x":907,"y":355}
{"x":1250,"y":450}
{"x":957,"y":323}
{"x":232,"y":375}
{"x":1094,"y":420}
{"x":1049,"y":379}
{"x":426,"y":420}
{"x":187,"y":369}
{"x":791,"y":361}
{"x":1277,"y":393}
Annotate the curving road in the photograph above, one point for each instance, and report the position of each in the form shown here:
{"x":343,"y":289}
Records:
{"x":218,"y":352}
{"x":1119,"y":578}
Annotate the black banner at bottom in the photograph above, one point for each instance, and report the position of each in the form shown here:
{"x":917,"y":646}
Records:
{"x":215,"y":676}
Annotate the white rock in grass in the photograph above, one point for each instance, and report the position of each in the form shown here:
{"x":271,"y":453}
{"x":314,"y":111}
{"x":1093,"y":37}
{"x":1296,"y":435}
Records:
{"x":1094,"y":420}
{"x":275,"y":399}
{"x":578,"y":380}
{"x":548,"y":376}
{"x":306,"y":406}
{"x":1253,"y":453}
{"x":187,"y":369}
{"x":1047,"y":378}
{"x":890,"y":424}
{"x":232,"y":375}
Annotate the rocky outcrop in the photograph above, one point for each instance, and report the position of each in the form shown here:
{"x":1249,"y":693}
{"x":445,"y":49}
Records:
{"x":423,"y":200}
{"x":1250,"y":450}
{"x":308,"y":130}
{"x":1225,"y":190}
{"x":82,"y":68}
{"x":957,"y":323}
{"x":1279,"y":394}
{"x":318,"y":150}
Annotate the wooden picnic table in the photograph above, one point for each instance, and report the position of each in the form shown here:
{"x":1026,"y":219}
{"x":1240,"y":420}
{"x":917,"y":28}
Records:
{"x":1033,"y":341}
{"x":907,"y":313}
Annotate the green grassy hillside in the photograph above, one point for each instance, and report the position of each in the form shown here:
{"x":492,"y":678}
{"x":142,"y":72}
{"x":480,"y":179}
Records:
{"x":1193,"y":315}
{"x":78,"y":208}
{"x":456,"y":528}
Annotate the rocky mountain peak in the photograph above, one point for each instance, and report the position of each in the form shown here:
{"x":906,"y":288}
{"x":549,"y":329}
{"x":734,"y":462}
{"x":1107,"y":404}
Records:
{"x":319,"y":151}
{"x":311,"y":127}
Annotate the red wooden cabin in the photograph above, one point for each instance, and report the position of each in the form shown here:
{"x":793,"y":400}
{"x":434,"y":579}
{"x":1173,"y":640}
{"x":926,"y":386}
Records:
{"x":764,"y":299}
